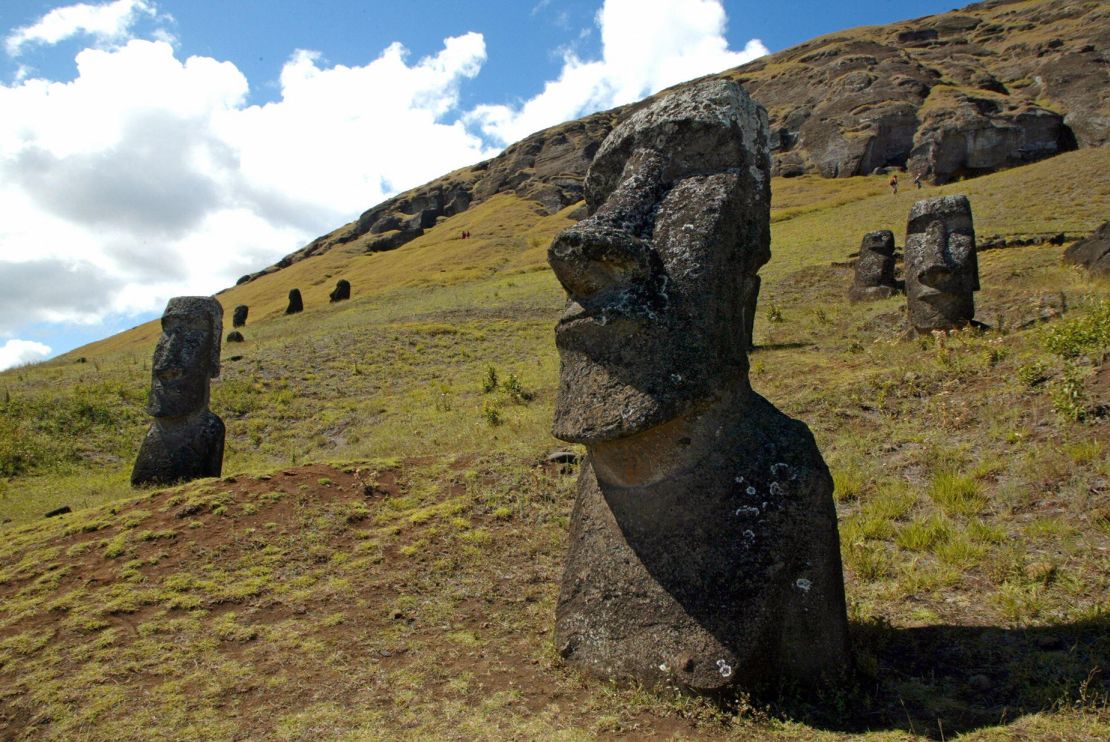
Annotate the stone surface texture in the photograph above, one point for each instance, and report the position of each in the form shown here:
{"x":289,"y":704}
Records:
{"x":1092,"y":253}
{"x":703,"y":547}
{"x":185,"y":440}
{"x":341,"y":292}
{"x":874,"y":276}
{"x":942,"y":269}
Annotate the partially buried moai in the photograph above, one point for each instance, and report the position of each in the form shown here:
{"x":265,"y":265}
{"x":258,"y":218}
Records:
{"x":942,"y":269}
{"x":186,"y":440}
{"x":239,"y":316}
{"x":703,"y":544}
{"x":296,"y":304}
{"x":341,"y":292}
{"x":874,"y":276}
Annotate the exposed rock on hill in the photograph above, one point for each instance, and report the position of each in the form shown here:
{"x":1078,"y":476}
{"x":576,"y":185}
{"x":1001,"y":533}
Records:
{"x":997,"y":84}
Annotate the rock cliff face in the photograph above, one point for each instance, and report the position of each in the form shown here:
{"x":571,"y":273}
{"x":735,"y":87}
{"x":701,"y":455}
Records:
{"x":996,"y":84}
{"x":993,"y":85}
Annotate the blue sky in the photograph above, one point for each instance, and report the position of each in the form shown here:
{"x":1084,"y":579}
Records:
{"x":152,"y":148}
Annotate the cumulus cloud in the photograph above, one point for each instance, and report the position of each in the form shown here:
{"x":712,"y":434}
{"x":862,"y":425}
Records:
{"x":18,"y":352}
{"x":642,"y":53}
{"x":106,"y":22}
{"x":147,"y":176}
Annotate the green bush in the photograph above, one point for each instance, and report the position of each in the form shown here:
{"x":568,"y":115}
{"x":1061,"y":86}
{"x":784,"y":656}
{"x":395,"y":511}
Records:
{"x":1087,"y":334}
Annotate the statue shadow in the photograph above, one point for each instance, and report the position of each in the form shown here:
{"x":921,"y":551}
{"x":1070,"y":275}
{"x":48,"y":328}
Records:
{"x":942,"y":681}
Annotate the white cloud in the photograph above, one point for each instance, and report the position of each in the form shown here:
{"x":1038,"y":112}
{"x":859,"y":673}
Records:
{"x":18,"y":352}
{"x":106,"y":22}
{"x":147,"y":176}
{"x":645,"y":47}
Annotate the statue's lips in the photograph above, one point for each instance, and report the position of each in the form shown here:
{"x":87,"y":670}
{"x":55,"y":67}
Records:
{"x":579,"y":317}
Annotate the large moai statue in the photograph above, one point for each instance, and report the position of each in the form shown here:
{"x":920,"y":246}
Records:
{"x":942,"y":269}
{"x":186,"y":440}
{"x":703,"y":542}
{"x":874,"y":277}
{"x":239,"y":316}
{"x":296,"y":304}
{"x":341,"y":292}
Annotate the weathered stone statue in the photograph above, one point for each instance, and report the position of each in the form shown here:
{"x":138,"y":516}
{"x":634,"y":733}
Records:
{"x":235,"y":337}
{"x":874,"y":268}
{"x":186,"y":440}
{"x":341,"y":292}
{"x":295,"y":303}
{"x":703,"y":545}
{"x":239,"y":316}
{"x":942,"y":270}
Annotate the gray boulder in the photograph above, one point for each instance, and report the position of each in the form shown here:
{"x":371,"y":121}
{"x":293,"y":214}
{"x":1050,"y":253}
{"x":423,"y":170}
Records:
{"x":703,"y":548}
{"x":1092,"y":253}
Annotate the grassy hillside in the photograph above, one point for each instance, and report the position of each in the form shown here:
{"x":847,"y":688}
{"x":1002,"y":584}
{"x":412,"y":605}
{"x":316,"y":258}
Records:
{"x":382,"y":559}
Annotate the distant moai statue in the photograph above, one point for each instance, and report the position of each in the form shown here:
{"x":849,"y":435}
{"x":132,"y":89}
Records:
{"x":235,"y":337}
{"x":942,"y":269}
{"x":341,"y":292}
{"x":703,"y":546}
{"x":186,"y":440}
{"x":874,"y":278}
{"x":295,"y":303}
{"x":239,"y":316}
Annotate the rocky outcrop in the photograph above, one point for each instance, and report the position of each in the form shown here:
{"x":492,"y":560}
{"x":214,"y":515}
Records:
{"x":1092,"y":253}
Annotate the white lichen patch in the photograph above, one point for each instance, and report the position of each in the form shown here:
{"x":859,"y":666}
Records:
{"x":803,"y":584}
{"x":724,"y":668}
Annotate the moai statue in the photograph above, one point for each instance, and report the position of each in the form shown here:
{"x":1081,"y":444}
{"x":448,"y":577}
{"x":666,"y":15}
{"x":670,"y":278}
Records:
{"x":942,"y":270}
{"x":341,"y":292}
{"x":875,"y":268}
{"x":235,"y":337}
{"x":295,"y":303}
{"x":186,"y":440}
{"x":239,"y":316}
{"x":703,"y":542}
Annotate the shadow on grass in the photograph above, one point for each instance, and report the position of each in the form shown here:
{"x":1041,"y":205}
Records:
{"x":940,"y":681}
{"x":779,"y":346}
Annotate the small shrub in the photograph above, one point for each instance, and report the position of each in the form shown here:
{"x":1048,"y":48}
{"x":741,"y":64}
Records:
{"x":491,"y":412}
{"x":1069,"y":398}
{"x":516,"y":391}
{"x":489,"y":384}
{"x":1080,"y":336}
{"x":1033,"y":374}
{"x":774,"y":314}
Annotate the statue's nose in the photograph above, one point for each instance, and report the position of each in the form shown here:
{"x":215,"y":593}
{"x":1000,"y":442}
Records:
{"x":588,"y":259}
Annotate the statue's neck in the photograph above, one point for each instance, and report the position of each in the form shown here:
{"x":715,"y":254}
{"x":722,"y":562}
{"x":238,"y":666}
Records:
{"x":671,"y":449}
{"x":185,"y":421}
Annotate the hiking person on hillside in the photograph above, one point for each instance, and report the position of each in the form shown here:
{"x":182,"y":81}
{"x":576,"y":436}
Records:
{"x":894,"y":184}
{"x":917,"y":181}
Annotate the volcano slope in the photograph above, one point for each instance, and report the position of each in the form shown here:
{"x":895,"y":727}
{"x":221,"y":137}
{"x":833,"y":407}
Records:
{"x":383,"y":559}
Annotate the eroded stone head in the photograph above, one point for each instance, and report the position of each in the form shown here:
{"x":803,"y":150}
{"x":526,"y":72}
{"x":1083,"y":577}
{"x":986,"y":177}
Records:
{"x":662,"y":275}
{"x":942,"y":269}
{"x":874,"y":275}
{"x":187,"y":356}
